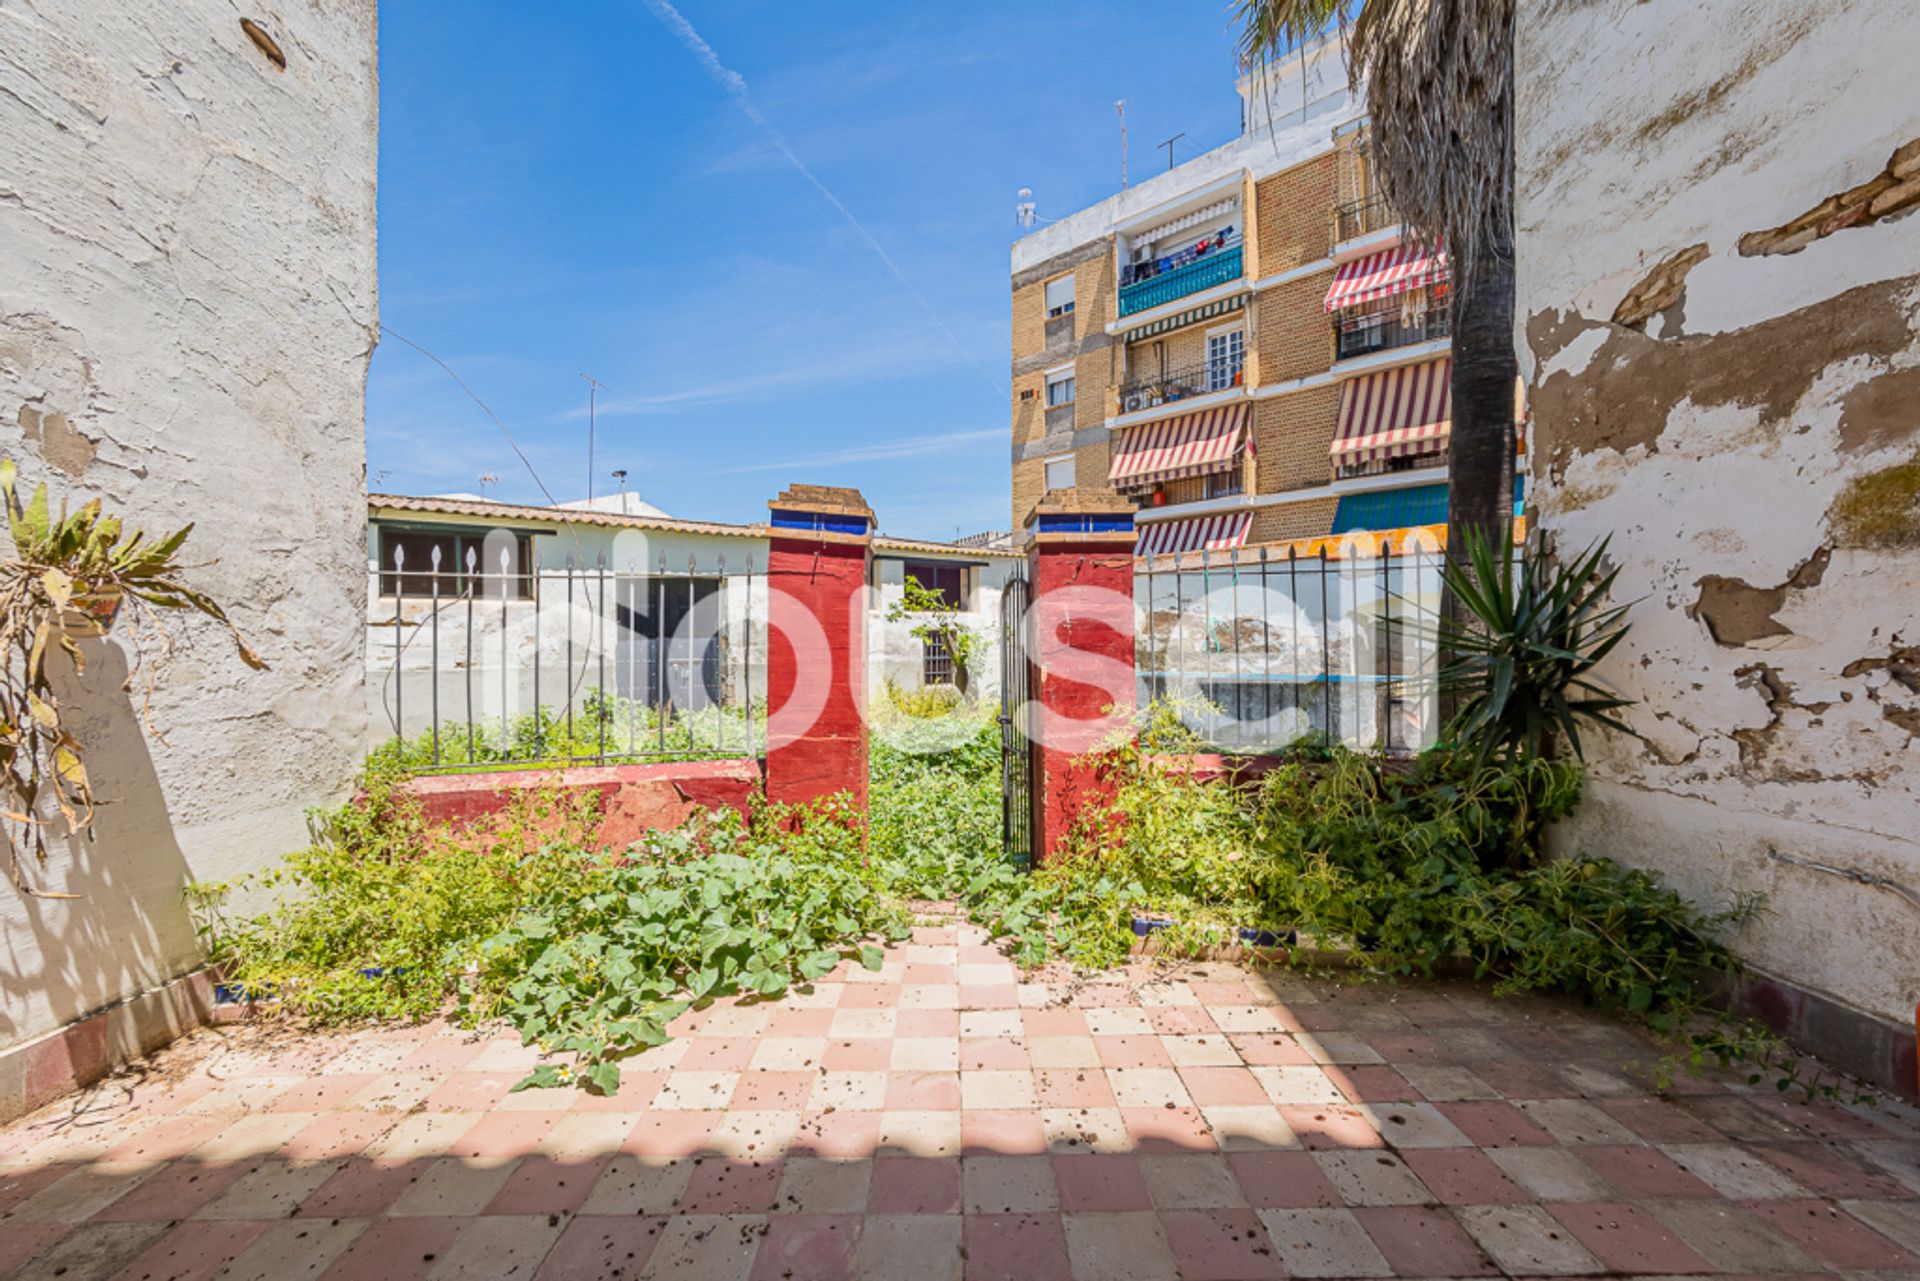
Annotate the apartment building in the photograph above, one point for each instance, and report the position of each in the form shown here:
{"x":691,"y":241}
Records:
{"x":1248,"y":346}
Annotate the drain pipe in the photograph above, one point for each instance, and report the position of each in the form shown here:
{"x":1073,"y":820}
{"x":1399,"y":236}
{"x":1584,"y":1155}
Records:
{"x":1853,"y":874}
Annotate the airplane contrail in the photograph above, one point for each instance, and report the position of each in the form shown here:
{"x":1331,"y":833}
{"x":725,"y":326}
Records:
{"x":736,"y":87}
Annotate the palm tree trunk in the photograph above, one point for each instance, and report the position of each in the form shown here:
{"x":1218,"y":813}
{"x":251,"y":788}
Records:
{"x":1480,"y":451}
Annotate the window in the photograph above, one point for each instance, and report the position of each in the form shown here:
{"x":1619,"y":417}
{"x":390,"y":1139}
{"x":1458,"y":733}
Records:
{"x":1226,"y":353}
{"x":1224,"y":484}
{"x":1059,"y":296}
{"x":407,"y":566}
{"x":950,"y":581}
{"x":1060,"y":389}
{"x":1060,"y":473}
{"x":936,"y":661}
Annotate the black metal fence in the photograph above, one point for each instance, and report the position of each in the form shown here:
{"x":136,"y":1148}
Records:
{"x":1365,"y":334}
{"x":1147,"y":390}
{"x":1260,"y":651}
{"x":508,"y":666}
{"x":1359,"y":218}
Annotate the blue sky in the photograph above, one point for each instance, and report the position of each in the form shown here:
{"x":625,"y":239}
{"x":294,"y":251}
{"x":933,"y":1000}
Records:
{"x":573,"y":189}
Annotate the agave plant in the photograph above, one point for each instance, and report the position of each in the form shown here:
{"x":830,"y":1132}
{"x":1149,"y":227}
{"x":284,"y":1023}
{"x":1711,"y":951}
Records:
{"x":1520,"y":661}
{"x":67,"y":578}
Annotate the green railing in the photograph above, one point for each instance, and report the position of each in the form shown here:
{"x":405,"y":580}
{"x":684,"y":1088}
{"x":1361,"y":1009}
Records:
{"x":1216,"y":268}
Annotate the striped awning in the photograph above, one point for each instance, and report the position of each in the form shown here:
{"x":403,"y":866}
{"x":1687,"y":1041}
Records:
{"x":1385,"y":275}
{"x":1167,"y":324}
{"x":1198,"y":533}
{"x":1395,"y":413}
{"x":1190,"y":445}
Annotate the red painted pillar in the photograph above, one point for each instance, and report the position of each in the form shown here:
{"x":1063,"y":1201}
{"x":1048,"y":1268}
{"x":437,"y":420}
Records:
{"x":1080,"y":646}
{"x":817,"y":644}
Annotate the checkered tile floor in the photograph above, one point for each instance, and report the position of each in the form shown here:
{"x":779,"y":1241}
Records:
{"x":943,"y":1119}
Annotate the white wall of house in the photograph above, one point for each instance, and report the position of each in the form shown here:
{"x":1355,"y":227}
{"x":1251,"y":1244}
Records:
{"x":897,"y":655}
{"x":1747,"y":430}
{"x":186,"y":316}
{"x":619,"y":573}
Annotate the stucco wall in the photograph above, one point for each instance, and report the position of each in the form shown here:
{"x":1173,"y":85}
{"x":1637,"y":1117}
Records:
{"x":186,"y":311}
{"x":1746,"y":426}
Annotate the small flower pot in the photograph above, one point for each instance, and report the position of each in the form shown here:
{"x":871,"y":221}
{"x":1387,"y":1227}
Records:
{"x":91,"y":613}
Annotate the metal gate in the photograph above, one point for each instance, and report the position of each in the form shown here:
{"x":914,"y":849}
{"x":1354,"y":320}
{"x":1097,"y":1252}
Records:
{"x":1016,"y":756}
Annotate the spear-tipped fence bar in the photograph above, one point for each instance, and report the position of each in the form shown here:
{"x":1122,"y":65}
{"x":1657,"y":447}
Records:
{"x":1328,"y":649}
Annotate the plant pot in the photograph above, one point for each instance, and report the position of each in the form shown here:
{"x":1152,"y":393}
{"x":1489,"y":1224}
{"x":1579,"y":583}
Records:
{"x":90,"y":613}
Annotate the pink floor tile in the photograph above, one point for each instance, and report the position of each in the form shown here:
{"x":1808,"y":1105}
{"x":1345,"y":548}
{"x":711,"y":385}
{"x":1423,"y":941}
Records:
{"x":1282,"y":1180}
{"x":1135,"y":1051}
{"x":1371,"y":1083}
{"x":915,"y":1023}
{"x":1829,"y":1171}
{"x":338,"y":1134}
{"x":1181,"y":1020}
{"x":671,"y":1134}
{"x":1832,"y":1236}
{"x":1628,"y":1239}
{"x":1463,"y":1176}
{"x":989,"y":996}
{"x":774,"y":1091}
{"x":175,"y":1192}
{"x":1268,"y":1049}
{"x":718,"y":1053}
{"x":1517,"y":1080}
{"x":870,"y":996}
{"x":403,"y":1249}
{"x":470,"y":1091}
{"x":1002,"y":1133}
{"x":1328,"y":1126}
{"x":1224,"y":1245}
{"x":1644,"y":1173}
{"x":1054,"y":1021}
{"x":504,"y":1134}
{"x":995,"y":1054}
{"x":789,"y":1021}
{"x":1493,"y":1124}
{"x":838,"y":1134}
{"x":915,"y":1185}
{"x":1167,"y":1130}
{"x":636,"y":1093}
{"x":16,"y":1185}
{"x":442,"y":1054}
{"x":546,"y":1185}
{"x":1075,"y":1088}
{"x":1658,"y":1121}
{"x":1223,"y":1087}
{"x":721,"y":1185}
{"x":923,"y":1092}
{"x":23,"y":1241}
{"x":193,"y":1251}
{"x":599,"y":1247}
{"x":807,"y":1247}
{"x":1100,"y":1183}
{"x":1423,"y":1241}
{"x":1015,"y":1247}
{"x":363,"y":1189}
{"x":325,"y":1093}
{"x":1404,"y":1047}
{"x":857,"y":1054}
{"x":172,"y":1138}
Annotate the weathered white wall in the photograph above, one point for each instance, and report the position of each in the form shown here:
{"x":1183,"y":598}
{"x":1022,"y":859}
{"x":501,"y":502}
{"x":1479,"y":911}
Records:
{"x":187,"y":307}
{"x":1753,"y":449}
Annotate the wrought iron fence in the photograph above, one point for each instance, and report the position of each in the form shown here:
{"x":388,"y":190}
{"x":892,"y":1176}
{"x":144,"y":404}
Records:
{"x":578,"y":665}
{"x":1260,"y":652}
{"x":1383,"y":331}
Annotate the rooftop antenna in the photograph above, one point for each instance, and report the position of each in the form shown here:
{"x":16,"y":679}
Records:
{"x":1168,"y":144}
{"x":620,"y":474}
{"x":1023,"y":208}
{"x":593,"y":390}
{"x":487,"y":478}
{"x":1120,"y":109}
{"x":380,"y":477}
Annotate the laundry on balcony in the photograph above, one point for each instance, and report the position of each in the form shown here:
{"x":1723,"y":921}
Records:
{"x":1190,"y":445}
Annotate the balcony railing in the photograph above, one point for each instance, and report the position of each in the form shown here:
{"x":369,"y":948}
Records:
{"x":1149,"y":284}
{"x":1391,"y":466}
{"x":1359,"y":218}
{"x":1365,"y":335}
{"x":1146,"y":392}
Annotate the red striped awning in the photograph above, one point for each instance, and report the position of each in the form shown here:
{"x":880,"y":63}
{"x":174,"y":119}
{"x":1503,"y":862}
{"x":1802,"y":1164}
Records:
{"x":1384,"y":275}
{"x":1198,"y":533}
{"x":1190,"y":445}
{"x":1395,"y":413}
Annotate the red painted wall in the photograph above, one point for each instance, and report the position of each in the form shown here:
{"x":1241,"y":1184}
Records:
{"x":816,"y":669}
{"x":632,"y":799}
{"x":1081,"y":650}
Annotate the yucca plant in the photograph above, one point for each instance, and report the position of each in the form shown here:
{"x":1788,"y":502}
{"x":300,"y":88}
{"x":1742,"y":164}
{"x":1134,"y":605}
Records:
{"x":1522,"y":655}
{"x":66,"y":579}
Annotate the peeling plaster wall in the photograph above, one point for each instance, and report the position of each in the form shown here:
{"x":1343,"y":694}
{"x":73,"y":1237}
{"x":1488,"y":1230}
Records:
{"x":1749,"y":435}
{"x":187,"y":307}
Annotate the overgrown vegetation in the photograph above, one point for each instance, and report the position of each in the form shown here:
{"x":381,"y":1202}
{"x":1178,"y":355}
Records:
{"x":606,"y":728}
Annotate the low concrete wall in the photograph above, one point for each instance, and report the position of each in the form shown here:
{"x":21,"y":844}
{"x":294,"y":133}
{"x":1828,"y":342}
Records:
{"x":632,"y":799}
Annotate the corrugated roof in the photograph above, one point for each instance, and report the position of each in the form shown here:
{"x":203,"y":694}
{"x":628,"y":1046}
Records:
{"x":377,"y":503}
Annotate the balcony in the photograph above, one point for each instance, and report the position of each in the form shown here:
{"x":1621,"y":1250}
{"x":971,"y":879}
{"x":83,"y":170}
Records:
{"x":1365,"y":335}
{"x":1148,"y":392}
{"x":1391,"y":466}
{"x":1162,"y":280}
{"x":1359,"y":218}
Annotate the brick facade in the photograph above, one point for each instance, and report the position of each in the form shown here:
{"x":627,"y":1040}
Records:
{"x":1294,"y":209}
{"x":1292,"y":435}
